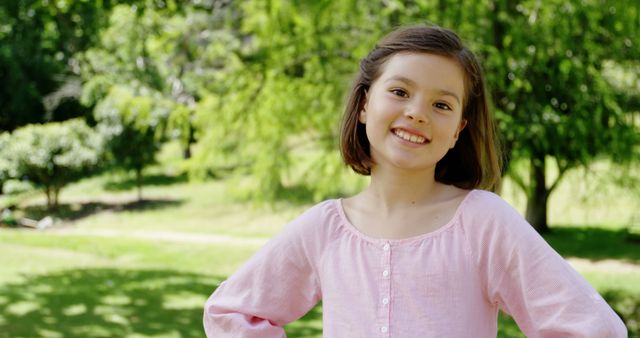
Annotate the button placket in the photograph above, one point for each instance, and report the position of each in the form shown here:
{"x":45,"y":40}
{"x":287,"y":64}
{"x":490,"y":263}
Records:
{"x":385,"y":290}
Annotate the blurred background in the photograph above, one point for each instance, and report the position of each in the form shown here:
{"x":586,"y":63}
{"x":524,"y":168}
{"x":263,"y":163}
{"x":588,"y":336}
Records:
{"x":149,"y":147}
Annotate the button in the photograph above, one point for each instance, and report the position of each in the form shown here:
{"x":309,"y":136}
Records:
{"x":385,"y":273}
{"x":385,"y":301}
{"x":386,"y":247}
{"x":384,"y":329}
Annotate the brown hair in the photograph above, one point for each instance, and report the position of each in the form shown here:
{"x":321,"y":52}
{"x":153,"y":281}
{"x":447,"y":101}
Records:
{"x":474,"y":162}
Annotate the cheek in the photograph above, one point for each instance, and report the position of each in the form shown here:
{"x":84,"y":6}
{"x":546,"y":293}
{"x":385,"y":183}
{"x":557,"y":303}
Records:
{"x":448,"y":125}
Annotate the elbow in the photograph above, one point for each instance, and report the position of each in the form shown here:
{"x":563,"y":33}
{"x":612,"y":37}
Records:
{"x":219,"y":320}
{"x":222,"y":322}
{"x":213,"y":320}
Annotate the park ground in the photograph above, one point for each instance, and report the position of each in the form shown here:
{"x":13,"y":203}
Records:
{"x":116,"y":267}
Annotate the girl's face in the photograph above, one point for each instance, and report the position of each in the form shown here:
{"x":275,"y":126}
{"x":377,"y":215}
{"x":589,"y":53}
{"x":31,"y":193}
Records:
{"x":413,"y":111}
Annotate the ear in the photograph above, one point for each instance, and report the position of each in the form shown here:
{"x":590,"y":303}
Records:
{"x":362,"y":115}
{"x":463,"y":124}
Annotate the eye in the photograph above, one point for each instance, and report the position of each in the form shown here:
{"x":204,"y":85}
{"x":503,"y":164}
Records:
{"x":399,"y":92}
{"x":442,"y":105}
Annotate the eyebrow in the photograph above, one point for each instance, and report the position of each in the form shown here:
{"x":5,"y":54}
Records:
{"x":413,"y":83}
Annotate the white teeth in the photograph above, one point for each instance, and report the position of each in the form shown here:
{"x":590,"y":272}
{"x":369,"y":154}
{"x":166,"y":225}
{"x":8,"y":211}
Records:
{"x":409,"y":137}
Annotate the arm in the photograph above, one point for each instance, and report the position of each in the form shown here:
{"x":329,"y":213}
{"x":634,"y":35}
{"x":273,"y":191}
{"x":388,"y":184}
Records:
{"x":526,"y":278}
{"x":276,"y":286}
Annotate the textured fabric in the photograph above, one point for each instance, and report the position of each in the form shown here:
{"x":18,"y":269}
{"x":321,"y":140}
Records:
{"x":447,"y":283}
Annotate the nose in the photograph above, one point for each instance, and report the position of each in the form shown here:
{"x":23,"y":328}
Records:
{"x":417,"y":112}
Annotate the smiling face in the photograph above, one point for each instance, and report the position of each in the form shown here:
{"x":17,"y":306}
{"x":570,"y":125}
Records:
{"x":413,"y":111}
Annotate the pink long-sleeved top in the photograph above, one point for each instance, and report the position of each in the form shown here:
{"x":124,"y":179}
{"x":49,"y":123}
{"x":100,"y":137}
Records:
{"x":446,"y":283}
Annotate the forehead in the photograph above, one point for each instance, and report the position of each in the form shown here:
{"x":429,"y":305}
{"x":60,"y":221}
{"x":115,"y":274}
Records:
{"x":425,"y":70}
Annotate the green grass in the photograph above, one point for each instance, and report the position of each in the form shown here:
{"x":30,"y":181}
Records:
{"x":119,"y":268}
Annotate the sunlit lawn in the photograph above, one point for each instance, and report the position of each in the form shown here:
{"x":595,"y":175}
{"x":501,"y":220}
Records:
{"x":128,"y":269}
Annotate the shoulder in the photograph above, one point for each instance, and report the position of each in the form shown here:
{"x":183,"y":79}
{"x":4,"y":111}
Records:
{"x":315,"y":221}
{"x":488,"y":206}
{"x":496,"y":233}
{"x":486,"y":215}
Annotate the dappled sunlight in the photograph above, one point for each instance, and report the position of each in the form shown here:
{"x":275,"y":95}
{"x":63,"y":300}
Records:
{"x":106,"y":303}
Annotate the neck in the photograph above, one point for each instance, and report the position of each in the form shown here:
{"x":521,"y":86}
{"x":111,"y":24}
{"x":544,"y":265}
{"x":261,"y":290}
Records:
{"x":396,"y":189}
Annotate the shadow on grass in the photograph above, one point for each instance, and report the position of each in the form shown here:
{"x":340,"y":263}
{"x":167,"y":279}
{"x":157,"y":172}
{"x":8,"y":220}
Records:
{"x":594,"y":243}
{"x":76,"y":211}
{"x":128,"y":182}
{"x":105,"y":303}
{"x":115,"y":303}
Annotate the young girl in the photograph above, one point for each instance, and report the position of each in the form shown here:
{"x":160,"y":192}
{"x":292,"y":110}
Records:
{"x":421,"y":252}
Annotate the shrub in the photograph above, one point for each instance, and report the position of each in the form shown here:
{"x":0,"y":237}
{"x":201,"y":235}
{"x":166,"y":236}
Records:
{"x":53,"y":155}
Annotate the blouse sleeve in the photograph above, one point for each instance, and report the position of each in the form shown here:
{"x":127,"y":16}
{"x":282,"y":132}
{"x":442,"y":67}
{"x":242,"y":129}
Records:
{"x":278,"y":285}
{"x":526,"y":278}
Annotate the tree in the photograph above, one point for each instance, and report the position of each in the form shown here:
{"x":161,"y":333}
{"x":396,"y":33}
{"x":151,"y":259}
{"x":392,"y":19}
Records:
{"x":131,"y":127}
{"x":53,"y":155}
{"x":166,"y":54}
{"x":547,"y":77}
{"x":257,"y":84}
{"x":298,"y":59}
{"x":38,"y":41}
{"x":553,"y":100}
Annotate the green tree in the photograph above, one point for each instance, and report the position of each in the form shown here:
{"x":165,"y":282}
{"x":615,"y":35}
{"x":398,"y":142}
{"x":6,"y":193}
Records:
{"x":166,"y":54}
{"x":131,"y":127}
{"x":38,"y":41}
{"x":258,"y":84}
{"x":54,"y":154}
{"x":547,"y":66}
{"x":298,"y":59}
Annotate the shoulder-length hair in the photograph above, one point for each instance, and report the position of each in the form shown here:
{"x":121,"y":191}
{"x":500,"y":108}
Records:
{"x":475,"y":160}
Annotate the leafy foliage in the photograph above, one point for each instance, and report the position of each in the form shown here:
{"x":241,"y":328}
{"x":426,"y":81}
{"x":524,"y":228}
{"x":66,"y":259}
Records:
{"x":52,"y":155}
{"x":132,"y":128}
{"x":6,"y":164}
{"x":552,"y":95}
{"x":553,"y":99}
{"x":38,"y":41}
{"x":257,"y":87}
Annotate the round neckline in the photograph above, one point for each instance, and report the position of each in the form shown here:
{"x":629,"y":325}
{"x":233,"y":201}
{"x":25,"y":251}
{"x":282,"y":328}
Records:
{"x":345,"y":220}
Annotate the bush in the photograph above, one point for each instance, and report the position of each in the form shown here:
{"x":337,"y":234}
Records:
{"x":53,"y":155}
{"x":6,"y":164}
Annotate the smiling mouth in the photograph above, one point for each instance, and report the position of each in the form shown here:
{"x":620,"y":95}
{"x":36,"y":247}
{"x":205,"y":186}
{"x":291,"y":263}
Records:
{"x":417,"y":139}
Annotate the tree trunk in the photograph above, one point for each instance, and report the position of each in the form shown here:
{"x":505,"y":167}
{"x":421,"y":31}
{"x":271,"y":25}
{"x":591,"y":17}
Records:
{"x":56,"y":193}
{"x":536,"y":213}
{"x":186,"y":153}
{"x":49,"y":191}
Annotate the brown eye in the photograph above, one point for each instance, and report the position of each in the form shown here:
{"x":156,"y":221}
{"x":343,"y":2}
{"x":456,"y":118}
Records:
{"x":399,"y":92}
{"x":441,"y":105}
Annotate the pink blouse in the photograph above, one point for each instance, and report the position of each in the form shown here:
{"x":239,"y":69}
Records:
{"x":446,"y":283}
